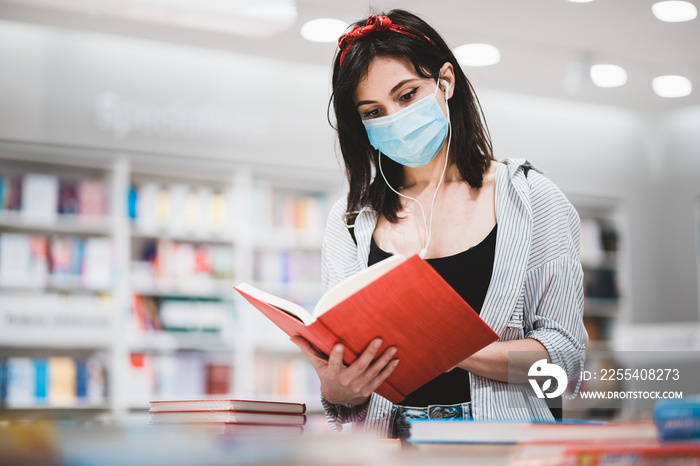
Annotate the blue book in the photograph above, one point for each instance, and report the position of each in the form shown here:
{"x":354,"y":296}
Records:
{"x":77,"y":256}
{"x":2,"y":379}
{"x":41,"y":380}
{"x":2,"y":192}
{"x":513,"y":432}
{"x":132,"y":202}
{"x":678,"y":419}
{"x":82,"y":378}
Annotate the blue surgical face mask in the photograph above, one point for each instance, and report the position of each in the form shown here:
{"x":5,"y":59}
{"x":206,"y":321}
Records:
{"x":413,"y":135}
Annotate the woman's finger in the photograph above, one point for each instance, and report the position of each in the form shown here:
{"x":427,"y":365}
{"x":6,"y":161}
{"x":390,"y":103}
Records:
{"x":379,"y":379}
{"x":380,"y":363}
{"x":317,"y":359}
{"x":335,"y":359}
{"x":360,"y":365}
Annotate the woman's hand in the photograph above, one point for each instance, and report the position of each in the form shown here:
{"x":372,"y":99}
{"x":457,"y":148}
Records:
{"x":352,"y":384}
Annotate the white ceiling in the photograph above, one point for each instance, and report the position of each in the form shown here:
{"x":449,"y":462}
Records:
{"x":546,"y":45}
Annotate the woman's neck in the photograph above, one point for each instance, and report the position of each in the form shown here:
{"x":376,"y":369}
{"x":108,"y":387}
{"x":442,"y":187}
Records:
{"x":429,"y":175}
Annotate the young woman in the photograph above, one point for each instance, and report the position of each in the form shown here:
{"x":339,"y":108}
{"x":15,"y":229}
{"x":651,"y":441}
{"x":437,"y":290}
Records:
{"x":423,"y":179}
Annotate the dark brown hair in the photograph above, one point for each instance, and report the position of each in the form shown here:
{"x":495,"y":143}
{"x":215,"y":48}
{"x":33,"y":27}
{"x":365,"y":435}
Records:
{"x":470,"y":148}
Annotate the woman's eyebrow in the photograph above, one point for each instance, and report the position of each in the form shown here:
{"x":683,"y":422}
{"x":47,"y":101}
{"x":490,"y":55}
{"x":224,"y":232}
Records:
{"x":393,"y":89}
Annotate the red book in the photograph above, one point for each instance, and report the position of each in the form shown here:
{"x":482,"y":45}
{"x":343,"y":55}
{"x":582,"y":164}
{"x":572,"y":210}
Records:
{"x":649,"y":453}
{"x":218,"y":376}
{"x":282,"y":407}
{"x":228,"y":417}
{"x":403,"y":301}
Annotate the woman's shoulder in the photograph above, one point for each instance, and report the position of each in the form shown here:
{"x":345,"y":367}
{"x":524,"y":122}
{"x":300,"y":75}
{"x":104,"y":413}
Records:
{"x":549,"y":206}
{"x":543,"y":192}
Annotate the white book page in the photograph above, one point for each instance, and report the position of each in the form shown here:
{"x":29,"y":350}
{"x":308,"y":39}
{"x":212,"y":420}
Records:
{"x":355,"y":283}
{"x":286,"y":306}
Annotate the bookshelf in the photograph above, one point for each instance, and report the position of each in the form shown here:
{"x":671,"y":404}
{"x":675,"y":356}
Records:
{"x":57,"y":290}
{"x":150,"y":308}
{"x":604,"y":260}
{"x":158,"y":306}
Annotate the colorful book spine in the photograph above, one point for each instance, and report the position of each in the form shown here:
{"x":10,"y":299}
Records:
{"x":41,"y":381}
{"x":21,"y":384}
{"x":68,"y":200}
{"x":3,"y":196}
{"x":3,"y":381}
{"x":81,"y":380}
{"x":132,"y":202}
{"x":62,"y":381}
{"x":40,"y":197}
{"x":678,"y":419}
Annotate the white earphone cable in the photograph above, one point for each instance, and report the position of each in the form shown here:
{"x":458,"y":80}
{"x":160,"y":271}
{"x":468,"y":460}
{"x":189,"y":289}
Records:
{"x":428,"y":228}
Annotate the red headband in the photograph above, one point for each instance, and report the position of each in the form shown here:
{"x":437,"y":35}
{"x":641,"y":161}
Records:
{"x":375,"y":23}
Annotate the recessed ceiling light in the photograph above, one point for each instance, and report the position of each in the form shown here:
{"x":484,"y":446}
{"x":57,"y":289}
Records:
{"x":581,"y":1}
{"x":674,"y":11}
{"x":608,"y":75}
{"x":323,"y":30}
{"x":477,"y":54}
{"x":672,"y":86}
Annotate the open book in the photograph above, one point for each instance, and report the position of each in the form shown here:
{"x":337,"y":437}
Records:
{"x":403,"y":301}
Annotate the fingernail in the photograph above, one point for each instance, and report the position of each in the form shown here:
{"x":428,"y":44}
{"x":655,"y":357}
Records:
{"x":396,"y":362}
{"x":338,"y":348}
{"x":392,"y":351}
{"x":377,"y":343}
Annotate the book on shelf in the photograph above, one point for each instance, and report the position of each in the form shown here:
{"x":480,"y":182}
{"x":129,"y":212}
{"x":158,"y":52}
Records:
{"x":218,"y":378}
{"x":92,"y":198}
{"x":20,"y":382}
{"x":41,"y":367}
{"x":39,"y":197}
{"x":227,"y":417}
{"x":23,"y":260}
{"x":515,"y":432}
{"x":285,"y":377}
{"x":12,"y":192}
{"x":52,"y":381}
{"x":96,"y":263}
{"x":259,"y":406}
{"x":68,"y":198}
{"x":176,"y":224}
{"x":403,"y":301}
{"x":62,"y":383}
{"x":81,"y":262}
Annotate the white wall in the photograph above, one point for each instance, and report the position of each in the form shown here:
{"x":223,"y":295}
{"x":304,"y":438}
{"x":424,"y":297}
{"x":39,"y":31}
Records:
{"x":677,"y":195}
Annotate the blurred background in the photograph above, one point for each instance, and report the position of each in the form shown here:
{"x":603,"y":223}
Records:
{"x":153,"y":153}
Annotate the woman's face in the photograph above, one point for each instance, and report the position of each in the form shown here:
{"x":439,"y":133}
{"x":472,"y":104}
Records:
{"x":392,"y":84}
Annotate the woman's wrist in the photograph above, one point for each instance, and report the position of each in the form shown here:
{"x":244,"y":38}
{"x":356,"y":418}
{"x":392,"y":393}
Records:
{"x":346,"y":402}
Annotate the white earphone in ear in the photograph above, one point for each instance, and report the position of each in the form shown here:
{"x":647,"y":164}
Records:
{"x":447,"y":88}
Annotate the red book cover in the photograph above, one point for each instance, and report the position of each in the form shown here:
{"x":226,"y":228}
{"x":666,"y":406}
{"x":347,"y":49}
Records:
{"x":409,"y":306}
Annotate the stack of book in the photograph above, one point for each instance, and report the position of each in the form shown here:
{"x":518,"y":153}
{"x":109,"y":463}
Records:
{"x":238,"y":417}
{"x":569,"y":443}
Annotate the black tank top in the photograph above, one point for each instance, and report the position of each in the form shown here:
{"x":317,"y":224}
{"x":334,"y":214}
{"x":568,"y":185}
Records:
{"x":469,"y":273}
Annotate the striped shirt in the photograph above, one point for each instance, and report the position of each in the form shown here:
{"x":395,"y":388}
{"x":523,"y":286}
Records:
{"x":536,"y":291}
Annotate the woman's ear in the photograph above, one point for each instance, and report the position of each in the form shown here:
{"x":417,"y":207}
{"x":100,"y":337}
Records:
{"x":447,"y":74}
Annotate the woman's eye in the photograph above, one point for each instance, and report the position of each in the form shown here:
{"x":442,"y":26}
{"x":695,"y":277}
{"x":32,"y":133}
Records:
{"x":370,"y":114}
{"x":409,"y":95}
